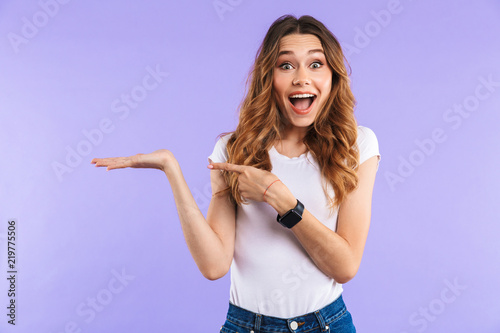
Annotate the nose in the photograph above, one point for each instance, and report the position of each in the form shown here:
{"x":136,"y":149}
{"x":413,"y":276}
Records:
{"x":301,"y":77}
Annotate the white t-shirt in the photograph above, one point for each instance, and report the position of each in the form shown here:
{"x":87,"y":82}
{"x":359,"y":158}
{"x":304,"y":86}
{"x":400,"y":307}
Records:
{"x":271,"y":273}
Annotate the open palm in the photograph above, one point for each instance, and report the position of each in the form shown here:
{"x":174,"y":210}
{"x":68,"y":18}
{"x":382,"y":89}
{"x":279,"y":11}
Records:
{"x":155,"y":160}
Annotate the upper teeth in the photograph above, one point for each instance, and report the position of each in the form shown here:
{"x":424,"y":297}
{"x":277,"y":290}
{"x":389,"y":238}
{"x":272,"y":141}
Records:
{"x":302,"y":96}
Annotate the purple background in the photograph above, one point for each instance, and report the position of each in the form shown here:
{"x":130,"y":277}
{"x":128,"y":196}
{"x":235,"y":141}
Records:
{"x":64,"y":69}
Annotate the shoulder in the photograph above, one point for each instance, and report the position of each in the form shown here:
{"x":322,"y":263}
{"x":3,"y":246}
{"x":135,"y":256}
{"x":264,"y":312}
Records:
{"x":219,"y":153}
{"x":222,"y":142}
{"x":225,"y":138}
{"x":367,"y":143}
{"x":366,"y":134}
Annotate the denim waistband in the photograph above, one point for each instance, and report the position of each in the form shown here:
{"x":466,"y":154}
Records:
{"x":304,"y":323}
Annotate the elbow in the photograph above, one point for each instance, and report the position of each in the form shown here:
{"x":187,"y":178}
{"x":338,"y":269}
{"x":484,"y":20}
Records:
{"x":343,"y":279}
{"x":212,"y":276}
{"x":214,"y":273}
{"x":346,"y":275}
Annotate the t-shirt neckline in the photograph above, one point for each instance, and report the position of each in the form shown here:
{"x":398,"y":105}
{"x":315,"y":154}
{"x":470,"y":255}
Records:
{"x":274,"y":152}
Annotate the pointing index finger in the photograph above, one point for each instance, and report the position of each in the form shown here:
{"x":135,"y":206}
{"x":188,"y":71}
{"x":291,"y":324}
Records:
{"x":227,"y":167}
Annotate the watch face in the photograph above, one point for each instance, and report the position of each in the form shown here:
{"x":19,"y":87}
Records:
{"x":290,"y":219}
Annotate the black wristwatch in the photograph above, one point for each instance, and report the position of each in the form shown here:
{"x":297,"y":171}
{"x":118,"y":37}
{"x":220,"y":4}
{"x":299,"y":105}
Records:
{"x":292,"y":217}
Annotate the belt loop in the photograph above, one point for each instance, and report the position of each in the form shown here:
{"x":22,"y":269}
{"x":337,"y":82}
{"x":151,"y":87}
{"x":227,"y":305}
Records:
{"x":257,"y":323}
{"x":321,"y":321}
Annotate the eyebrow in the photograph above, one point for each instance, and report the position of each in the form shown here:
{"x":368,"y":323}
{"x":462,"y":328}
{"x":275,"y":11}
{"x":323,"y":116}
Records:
{"x":310,"y":52}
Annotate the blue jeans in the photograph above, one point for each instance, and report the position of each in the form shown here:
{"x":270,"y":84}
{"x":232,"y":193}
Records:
{"x":333,"y":318}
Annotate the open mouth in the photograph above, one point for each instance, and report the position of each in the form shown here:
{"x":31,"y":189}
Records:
{"x":301,"y":103}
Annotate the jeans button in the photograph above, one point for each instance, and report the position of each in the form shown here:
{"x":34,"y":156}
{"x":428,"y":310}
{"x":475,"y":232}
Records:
{"x":294,"y":325}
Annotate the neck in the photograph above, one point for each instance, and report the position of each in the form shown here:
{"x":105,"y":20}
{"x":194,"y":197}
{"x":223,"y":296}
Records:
{"x":291,"y":143}
{"x":294,"y":135}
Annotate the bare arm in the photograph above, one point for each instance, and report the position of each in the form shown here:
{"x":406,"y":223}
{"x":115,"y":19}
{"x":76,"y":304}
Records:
{"x":337,"y":253}
{"x":210,"y":240}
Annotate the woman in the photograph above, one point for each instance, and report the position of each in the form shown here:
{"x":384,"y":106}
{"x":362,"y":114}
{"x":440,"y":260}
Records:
{"x":292,"y":188}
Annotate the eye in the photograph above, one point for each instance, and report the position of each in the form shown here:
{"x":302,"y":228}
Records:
{"x":283,"y":66}
{"x":316,"y":64}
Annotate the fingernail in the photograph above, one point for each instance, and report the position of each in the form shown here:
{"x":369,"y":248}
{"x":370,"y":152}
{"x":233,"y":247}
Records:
{"x":210,"y":166}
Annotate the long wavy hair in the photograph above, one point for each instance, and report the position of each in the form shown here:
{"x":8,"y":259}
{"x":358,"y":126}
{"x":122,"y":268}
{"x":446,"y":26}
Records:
{"x":331,"y":139}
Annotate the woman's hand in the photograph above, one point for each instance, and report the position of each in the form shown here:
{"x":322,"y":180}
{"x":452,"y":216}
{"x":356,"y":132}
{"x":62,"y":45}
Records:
{"x":210,"y":240}
{"x":260,"y":185}
{"x":158,"y":159}
{"x":252,"y":182}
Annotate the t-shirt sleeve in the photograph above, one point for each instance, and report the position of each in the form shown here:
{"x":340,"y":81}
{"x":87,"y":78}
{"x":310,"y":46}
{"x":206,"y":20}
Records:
{"x":219,"y":155}
{"x":367,"y":144}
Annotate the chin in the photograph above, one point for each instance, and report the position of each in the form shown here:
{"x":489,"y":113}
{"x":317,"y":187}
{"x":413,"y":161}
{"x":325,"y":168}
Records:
{"x":301,"y":123}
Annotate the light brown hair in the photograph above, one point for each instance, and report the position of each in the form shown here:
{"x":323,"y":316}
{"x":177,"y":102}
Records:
{"x":331,"y":139}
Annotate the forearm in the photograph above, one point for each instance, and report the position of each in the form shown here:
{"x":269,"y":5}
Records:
{"x":331,"y":253}
{"x":204,"y":244}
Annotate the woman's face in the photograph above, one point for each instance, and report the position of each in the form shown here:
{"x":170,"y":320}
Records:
{"x":302,"y":79}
